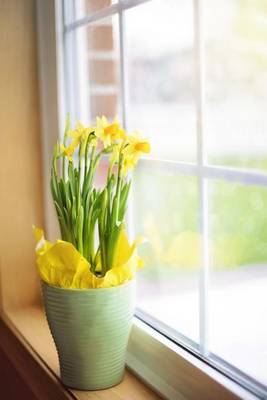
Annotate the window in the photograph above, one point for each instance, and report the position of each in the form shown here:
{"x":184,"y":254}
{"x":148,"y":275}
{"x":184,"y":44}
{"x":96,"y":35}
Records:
{"x":192,"y":76}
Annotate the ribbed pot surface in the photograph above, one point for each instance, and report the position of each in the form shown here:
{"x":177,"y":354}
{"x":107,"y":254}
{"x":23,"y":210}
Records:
{"x":90,"y":328}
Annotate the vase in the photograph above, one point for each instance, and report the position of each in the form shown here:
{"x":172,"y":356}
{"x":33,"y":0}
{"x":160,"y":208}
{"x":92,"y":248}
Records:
{"x":90,"y":328}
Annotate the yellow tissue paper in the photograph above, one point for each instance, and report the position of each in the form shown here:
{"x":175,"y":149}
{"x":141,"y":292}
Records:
{"x":60,"y":264}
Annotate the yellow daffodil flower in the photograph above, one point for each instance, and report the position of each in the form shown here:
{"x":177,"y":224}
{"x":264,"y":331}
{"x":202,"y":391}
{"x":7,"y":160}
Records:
{"x":68,"y":151}
{"x":128,"y":163}
{"x":136,"y":145}
{"x":94,"y":141}
{"x":80,"y":134}
{"x":108,"y":133}
{"x":114,"y":157}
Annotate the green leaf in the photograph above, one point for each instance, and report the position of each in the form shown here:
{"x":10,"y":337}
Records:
{"x":63,"y":196}
{"x":74,"y":219}
{"x":102,"y":236}
{"x":123,"y":200}
{"x":80,"y":229}
{"x":67,"y":126}
{"x":53,"y":186}
{"x":62,"y":222}
{"x":72,"y":179}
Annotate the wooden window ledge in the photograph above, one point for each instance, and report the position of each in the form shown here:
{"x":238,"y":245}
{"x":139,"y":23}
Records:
{"x":26,"y":340}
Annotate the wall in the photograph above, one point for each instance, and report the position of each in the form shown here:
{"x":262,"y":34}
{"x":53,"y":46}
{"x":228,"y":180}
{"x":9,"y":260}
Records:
{"x":20,"y":172}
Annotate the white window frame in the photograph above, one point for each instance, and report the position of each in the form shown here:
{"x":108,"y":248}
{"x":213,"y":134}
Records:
{"x":151,"y":355}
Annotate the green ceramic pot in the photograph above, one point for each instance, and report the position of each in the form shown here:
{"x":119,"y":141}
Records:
{"x":90,"y":328}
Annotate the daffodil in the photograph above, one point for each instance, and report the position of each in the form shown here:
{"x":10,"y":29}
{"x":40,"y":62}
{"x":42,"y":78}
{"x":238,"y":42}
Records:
{"x":91,"y":218}
{"x":81,"y":132}
{"x":128,"y":163}
{"x":107,"y":132}
{"x":94,"y":141}
{"x":68,"y":151}
{"x":135,"y":146}
{"x":80,"y":135}
{"x":133,"y":149}
{"x":114,"y":157}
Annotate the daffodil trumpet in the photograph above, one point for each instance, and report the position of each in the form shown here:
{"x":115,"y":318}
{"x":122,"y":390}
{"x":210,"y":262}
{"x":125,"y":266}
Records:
{"x":91,"y":219}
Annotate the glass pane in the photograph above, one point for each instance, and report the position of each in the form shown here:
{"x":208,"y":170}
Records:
{"x":166,"y":215}
{"x":97,"y":70}
{"x":238,"y":295}
{"x":160,"y":60}
{"x":95,"y":5}
{"x":76,"y":9}
{"x":236,"y":65}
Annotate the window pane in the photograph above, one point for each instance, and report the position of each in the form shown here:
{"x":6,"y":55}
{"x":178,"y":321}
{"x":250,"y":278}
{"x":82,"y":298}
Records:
{"x":238,"y":296}
{"x":159,"y":48}
{"x":97,"y":70}
{"x":166,"y":215}
{"x":95,"y":5}
{"x":76,"y":9}
{"x":236,"y":65}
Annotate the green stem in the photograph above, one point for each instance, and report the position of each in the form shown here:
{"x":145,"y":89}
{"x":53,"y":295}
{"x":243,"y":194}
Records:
{"x":114,"y":224}
{"x":67,"y":128}
{"x":102,"y":233}
{"x":94,"y":262}
{"x":79,"y":179}
{"x":80,"y":229}
{"x":90,"y":237}
{"x":86,"y":158}
{"x":89,"y":175}
{"x":64,"y":172}
{"x":118,"y":187}
{"x":54,"y":163}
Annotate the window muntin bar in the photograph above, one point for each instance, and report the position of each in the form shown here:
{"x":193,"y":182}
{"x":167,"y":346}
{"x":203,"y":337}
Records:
{"x":105,"y":12}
